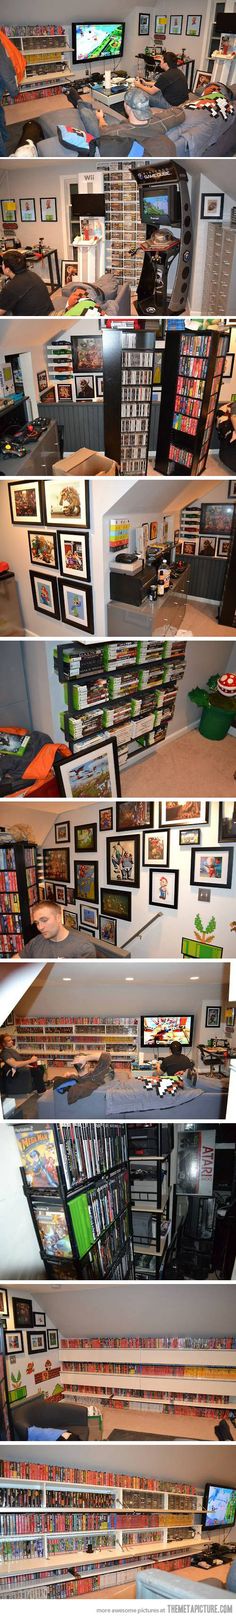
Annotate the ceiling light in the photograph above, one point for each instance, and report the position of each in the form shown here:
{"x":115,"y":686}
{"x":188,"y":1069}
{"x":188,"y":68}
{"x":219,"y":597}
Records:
{"x":66,"y":980}
{"x":129,"y":980}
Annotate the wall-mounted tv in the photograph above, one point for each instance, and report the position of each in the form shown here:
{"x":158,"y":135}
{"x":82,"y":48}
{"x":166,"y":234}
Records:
{"x":164,"y":1030}
{"x":219,"y":1506}
{"x":95,"y":41}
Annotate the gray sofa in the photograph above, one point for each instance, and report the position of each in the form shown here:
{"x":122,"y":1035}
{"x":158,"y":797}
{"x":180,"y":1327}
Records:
{"x":60,"y":1414}
{"x":196,"y":132}
{"x":116,"y":294}
{"x":152,"y":1584}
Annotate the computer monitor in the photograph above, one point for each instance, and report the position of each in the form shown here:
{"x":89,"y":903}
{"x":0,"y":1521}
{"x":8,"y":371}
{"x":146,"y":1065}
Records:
{"x":163,"y":1030}
{"x":160,"y":205}
{"x":219,"y":1506}
{"x":96,"y":41}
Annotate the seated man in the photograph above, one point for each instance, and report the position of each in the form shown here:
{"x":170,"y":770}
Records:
{"x":25,"y":293}
{"x":114,"y":139}
{"x":55,"y":941}
{"x":179,"y":1065}
{"x":19,"y":1074}
{"x":169,"y":85}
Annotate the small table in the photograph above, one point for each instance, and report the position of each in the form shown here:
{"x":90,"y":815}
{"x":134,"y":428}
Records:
{"x":49,"y":257}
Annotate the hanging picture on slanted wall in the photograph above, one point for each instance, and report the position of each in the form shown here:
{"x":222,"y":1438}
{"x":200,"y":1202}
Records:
{"x":163,"y":889}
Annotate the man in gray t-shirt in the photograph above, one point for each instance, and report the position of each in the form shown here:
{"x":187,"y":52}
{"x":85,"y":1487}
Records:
{"x":55,"y":942}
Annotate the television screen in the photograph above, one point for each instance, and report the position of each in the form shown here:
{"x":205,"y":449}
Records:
{"x":92,"y":41}
{"x":219,"y":1506}
{"x":165,"y":1029}
{"x":156,"y":208}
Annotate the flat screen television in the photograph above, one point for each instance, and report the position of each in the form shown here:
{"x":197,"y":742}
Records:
{"x":162,"y":1030}
{"x":219,"y":1506}
{"x":160,"y":206}
{"x":97,"y":41}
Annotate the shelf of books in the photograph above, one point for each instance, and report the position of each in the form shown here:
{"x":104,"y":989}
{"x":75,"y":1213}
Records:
{"x":127,"y":689}
{"x":76,"y":1180}
{"x":60,"y":1037}
{"x":151,"y":1196}
{"x":159,"y":1376}
{"x":46,"y":49}
{"x":193,"y":367}
{"x":18,"y":894}
{"x":71,"y":1532}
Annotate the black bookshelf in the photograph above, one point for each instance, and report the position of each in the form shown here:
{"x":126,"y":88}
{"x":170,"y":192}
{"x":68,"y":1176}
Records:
{"x":150,"y":1148}
{"x":128,"y":363}
{"x":192,"y":372}
{"x":227,"y":608}
{"x":18,"y":893}
{"x":89,"y":1167}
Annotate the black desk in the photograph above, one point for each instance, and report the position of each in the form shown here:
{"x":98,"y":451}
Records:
{"x":48,"y":256}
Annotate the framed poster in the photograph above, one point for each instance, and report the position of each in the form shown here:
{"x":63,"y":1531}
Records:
{"x":13,"y":1342}
{"x":70,"y":919}
{"x":43,"y":548}
{"x":64,"y":391}
{"x":189,"y":838}
{"x":8,"y":211}
{"x":86,"y":880}
{"x":37,"y":1341}
{"x":39,"y":1317}
{"x":95,"y":774}
{"x":3,"y":1293}
{"x":42,"y":380}
{"x":193,"y":25}
{"x":48,"y":210}
{"x":144,"y":22}
{"x":176,"y":23}
{"x":60,"y":893}
{"x":123,"y":860}
{"x":117,"y":904}
{"x":105,"y":819}
{"x":160,"y":25}
{"x":49,"y":395}
{"x":217,"y":519}
{"x":212,"y":866}
{"x":76,"y":603}
{"x":25,"y":501}
{"x":56,"y":862}
{"x":86,"y":838}
{"x":99,"y":386}
{"x":87,"y":354}
{"x":132,"y":816}
{"x":85,"y":387}
{"x":27,"y":210}
{"x":213,"y":1017}
{"x":23,"y":1312}
{"x":223,"y":548}
{"x":45,"y":594}
{"x":108,"y":929}
{"x":184,"y":811}
{"x":228,"y":365}
{"x":62,"y":831}
{"x":212,"y":204}
{"x":164,"y":888}
{"x":52,"y":1337}
{"x":88,"y":916}
{"x":156,"y":847}
{"x":207,"y":545}
{"x":67,"y":501}
{"x":227,"y":821}
{"x":74,"y":555}
{"x":69,"y":273}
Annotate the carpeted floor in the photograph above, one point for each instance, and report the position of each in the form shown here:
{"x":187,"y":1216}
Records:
{"x":150,"y":1438}
{"x":175,"y":767}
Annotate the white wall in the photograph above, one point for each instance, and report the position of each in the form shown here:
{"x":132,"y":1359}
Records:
{"x":195,"y":1463}
{"x":35,"y":1378}
{"x":15,"y":551}
{"x":202,"y":661}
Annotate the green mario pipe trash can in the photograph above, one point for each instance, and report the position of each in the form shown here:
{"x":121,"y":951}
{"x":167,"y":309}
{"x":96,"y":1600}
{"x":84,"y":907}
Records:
{"x":218,"y":704}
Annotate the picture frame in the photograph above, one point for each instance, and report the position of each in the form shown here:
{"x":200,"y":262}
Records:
{"x":76,"y":603}
{"x":99,"y":385}
{"x":164,"y":888}
{"x":192,"y":949}
{"x":184,"y":812}
{"x":211,"y":867}
{"x":49,"y":394}
{"x":85,"y":387}
{"x":86,"y":838}
{"x":64,"y":391}
{"x":212,"y":205}
{"x":37,"y":1341}
{"x":52,"y":1337}
{"x":144,"y":23}
{"x":25,"y":505}
{"x":87,"y":353}
{"x":228,"y":365}
{"x":160,"y":25}
{"x":70,"y":894}
{"x":48,"y":210}
{"x":50,"y":891}
{"x":13,"y":1342}
{"x":217,"y":519}
{"x":108,"y":929}
{"x":176,"y":23}
{"x":23,"y":1312}
{"x":60,"y":893}
{"x":88,"y":916}
{"x":39,"y":1317}
{"x":105,"y":819}
{"x":70,"y":919}
{"x":43,"y":548}
{"x":8,"y":211}
{"x":156,"y":845}
{"x":116,"y":902}
{"x":56,"y":864}
{"x":201,"y":80}
{"x":3,"y":1299}
{"x":67,"y":502}
{"x":223,"y":546}
{"x":227,"y":821}
{"x":132,"y":816}
{"x":86,"y":880}
{"x":42,"y":380}
{"x":74,"y":555}
{"x":27,"y":210}
{"x":190,"y":839}
{"x":232,"y":489}
{"x":69,"y":273}
{"x":45,"y":594}
{"x":193,"y":24}
{"x":94,"y":774}
{"x":207,"y":545}
{"x":123,"y":860}
{"x":62,"y":831}
{"x":213,"y":1017}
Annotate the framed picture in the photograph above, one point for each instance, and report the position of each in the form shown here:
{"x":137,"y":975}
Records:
{"x":60,"y":893}
{"x":144,"y":22}
{"x":52,"y":1337}
{"x":86,"y":838}
{"x":217,"y":519}
{"x":108,"y":929}
{"x":88,"y":916}
{"x":3,"y":1298}
{"x":176,"y":23}
{"x":99,"y":386}
{"x":193,"y":25}
{"x":37,"y":1342}
{"x":123,"y":860}
{"x":212,"y":866}
{"x":95,"y":774}
{"x":116,"y":904}
{"x":193,"y":950}
{"x":69,"y":273}
{"x":213,"y":1017}
{"x":50,"y":890}
{"x":212,"y":204}
{"x":190,"y":547}
{"x":227,"y":821}
{"x":207,"y":545}
{"x":85,"y":387}
{"x":43,"y":548}
{"x":105,"y":819}
{"x":134,"y":816}
{"x":223,"y":548}
{"x":70,"y":895}
{"x":156,"y":847}
{"x":39,"y":1318}
{"x":56,"y":862}
{"x":67,"y":501}
{"x":62,"y":831}
{"x":232,"y":489}
{"x":163,"y":889}
{"x":45,"y":594}
{"x":201,"y":80}
{"x":49,"y":395}
{"x":22,"y":1311}
{"x":13,"y":1342}
{"x":27,"y":210}
{"x":8,"y":211}
{"x":64,"y":390}
{"x":184,"y":811}
{"x":228,"y":365}
{"x":42,"y":380}
{"x":160,"y":25}
{"x":189,"y":838}
{"x":76,"y":602}
{"x":70,"y":919}
{"x":87,"y":353}
{"x":25,"y":501}
{"x":48,"y":210}
{"x":86,"y":880}
{"x":74,"y":555}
